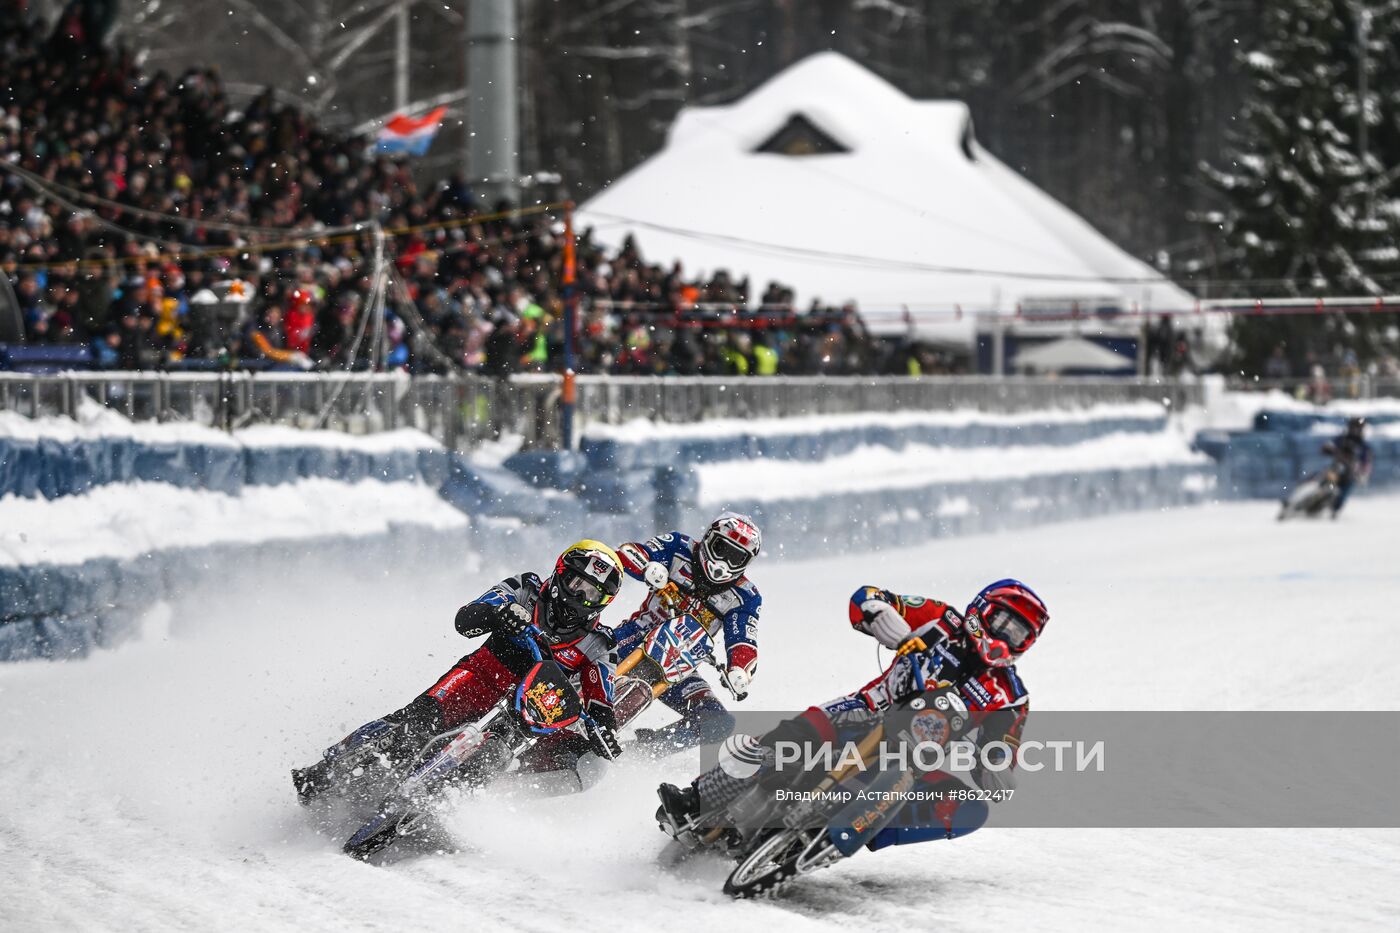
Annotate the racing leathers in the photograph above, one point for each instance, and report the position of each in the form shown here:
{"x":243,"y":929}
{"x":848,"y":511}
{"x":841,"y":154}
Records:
{"x":995,"y":696}
{"x":728,"y":608}
{"x":934,"y":649}
{"x":505,"y":614}
{"x":1355,"y":457}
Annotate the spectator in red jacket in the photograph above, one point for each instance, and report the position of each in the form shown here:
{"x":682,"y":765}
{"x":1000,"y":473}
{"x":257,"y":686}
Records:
{"x":300,"y":322}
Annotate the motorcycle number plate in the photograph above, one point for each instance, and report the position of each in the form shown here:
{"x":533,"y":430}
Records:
{"x":546,"y":700}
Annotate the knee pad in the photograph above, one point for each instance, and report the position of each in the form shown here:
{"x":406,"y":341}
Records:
{"x":420,"y":720}
{"x":803,"y":732}
{"x":711,"y":722}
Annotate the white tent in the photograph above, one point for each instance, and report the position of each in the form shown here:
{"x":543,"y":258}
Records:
{"x":1072,"y":353}
{"x":894,"y":206}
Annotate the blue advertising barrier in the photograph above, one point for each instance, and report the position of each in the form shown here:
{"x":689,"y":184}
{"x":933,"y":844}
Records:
{"x":800,"y":527}
{"x":1269,"y":461}
{"x":67,"y":610}
{"x":1293,"y":421}
{"x":51,"y":467}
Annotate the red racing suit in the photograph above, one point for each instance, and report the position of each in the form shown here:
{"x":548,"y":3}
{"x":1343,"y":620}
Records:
{"x":480,"y":679}
{"x":949,"y":656}
{"x":996,"y":697}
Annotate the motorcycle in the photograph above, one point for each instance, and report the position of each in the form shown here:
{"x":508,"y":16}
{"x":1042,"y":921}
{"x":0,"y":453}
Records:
{"x":670,"y":653}
{"x":473,"y":754}
{"x":774,"y":842}
{"x":1315,"y":494}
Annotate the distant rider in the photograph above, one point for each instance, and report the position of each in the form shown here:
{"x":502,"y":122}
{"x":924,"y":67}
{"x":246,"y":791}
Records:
{"x":1353,"y":455}
{"x":565,"y":610}
{"x":709,"y":583}
{"x":976,"y":652}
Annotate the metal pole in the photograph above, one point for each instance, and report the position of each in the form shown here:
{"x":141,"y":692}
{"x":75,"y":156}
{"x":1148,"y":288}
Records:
{"x":401,"y":56}
{"x":11,"y":318}
{"x":568,"y":396}
{"x":998,"y":345}
{"x":1363,"y":39}
{"x":492,"y":107}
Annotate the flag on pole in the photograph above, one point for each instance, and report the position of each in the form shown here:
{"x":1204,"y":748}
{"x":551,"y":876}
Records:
{"x":410,"y":135}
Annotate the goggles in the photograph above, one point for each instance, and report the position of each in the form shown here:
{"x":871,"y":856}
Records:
{"x":722,"y":549}
{"x":1004,"y":625}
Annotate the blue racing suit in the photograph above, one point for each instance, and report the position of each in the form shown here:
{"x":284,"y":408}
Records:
{"x":1355,"y":457}
{"x":730,"y":608}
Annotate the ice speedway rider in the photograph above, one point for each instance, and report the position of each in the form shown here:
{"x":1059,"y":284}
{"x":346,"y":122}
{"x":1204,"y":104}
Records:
{"x":710,"y":585}
{"x":565,"y":608}
{"x":975,"y":651}
{"x":1350,"y":452}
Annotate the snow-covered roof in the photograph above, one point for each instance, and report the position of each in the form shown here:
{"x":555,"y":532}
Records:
{"x":884,"y":223}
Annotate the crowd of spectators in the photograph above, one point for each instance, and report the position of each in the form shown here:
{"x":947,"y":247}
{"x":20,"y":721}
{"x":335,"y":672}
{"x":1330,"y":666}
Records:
{"x":216,"y":234}
{"x":1322,"y":377}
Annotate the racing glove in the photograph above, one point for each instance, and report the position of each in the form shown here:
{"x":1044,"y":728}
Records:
{"x":738,"y":681}
{"x":604,"y":742}
{"x":602,"y":735}
{"x":514,"y":619}
{"x":656,"y":575}
{"x":887,"y":626}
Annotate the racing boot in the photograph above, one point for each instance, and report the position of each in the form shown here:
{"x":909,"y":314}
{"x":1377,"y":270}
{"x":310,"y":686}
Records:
{"x":680,"y":806}
{"x":346,"y":759}
{"x":313,"y":781}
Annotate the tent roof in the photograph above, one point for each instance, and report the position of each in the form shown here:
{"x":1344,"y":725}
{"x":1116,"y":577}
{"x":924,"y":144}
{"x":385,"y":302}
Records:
{"x":914,"y":215}
{"x":1071,"y":353}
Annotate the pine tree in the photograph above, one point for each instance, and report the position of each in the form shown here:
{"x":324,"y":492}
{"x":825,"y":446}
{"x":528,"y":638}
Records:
{"x":1306,"y":215}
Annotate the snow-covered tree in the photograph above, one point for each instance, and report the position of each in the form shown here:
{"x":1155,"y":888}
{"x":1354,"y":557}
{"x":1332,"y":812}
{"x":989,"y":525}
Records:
{"x":1307,"y":213}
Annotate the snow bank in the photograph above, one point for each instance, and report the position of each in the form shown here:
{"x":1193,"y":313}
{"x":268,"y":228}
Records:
{"x":917,"y":466}
{"x":97,"y":422}
{"x":126,"y":520}
{"x":1237,"y":410}
{"x":55,"y":457}
{"x":641,"y":429}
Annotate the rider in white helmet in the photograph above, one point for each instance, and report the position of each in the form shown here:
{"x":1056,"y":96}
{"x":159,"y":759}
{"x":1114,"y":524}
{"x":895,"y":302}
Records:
{"x":710,"y":584}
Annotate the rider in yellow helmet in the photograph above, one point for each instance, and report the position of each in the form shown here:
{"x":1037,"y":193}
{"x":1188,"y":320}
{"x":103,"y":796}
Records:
{"x":560,"y":613}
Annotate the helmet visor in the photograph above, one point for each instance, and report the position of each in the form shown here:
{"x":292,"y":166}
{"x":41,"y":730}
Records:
{"x":722,"y":549}
{"x":1003,"y":624}
{"x":586,"y":592}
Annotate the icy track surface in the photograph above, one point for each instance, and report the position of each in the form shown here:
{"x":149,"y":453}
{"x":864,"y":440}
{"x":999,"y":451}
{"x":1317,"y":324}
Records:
{"x":147,"y":788}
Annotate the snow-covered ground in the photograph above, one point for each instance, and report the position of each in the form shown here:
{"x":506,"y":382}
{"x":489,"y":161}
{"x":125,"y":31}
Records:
{"x":146,"y":787}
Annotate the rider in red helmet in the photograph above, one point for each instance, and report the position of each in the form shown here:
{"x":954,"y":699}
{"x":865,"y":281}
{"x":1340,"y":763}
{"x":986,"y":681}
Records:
{"x":974,"y":651}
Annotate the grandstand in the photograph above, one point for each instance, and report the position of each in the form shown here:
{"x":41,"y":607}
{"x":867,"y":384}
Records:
{"x":147,"y":221}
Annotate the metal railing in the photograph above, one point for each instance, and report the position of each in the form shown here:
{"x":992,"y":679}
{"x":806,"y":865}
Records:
{"x":465,"y":411}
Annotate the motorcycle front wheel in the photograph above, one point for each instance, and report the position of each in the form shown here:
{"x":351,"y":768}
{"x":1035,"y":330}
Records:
{"x":780,"y":856}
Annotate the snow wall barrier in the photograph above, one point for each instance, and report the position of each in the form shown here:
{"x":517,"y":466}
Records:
{"x":1065,"y":464}
{"x":625,"y":482}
